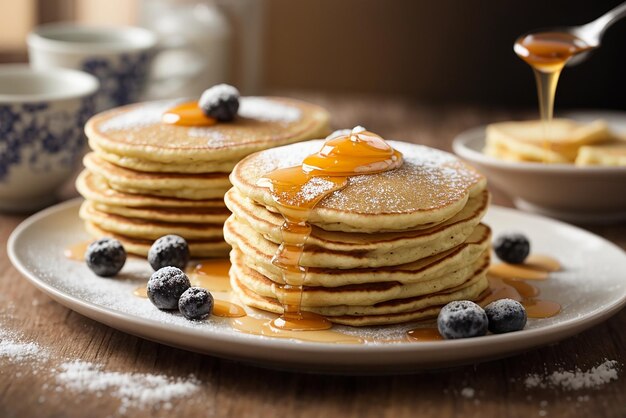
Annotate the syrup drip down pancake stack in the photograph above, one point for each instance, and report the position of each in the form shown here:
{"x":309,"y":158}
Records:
{"x":382,"y":248}
{"x":146,"y":178}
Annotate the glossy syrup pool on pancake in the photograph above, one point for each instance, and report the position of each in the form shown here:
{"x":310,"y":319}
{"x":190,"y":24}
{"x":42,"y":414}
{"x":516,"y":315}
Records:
{"x":137,"y":131}
{"x":187,"y":114}
{"x":298,"y":189}
{"x":429,"y":187}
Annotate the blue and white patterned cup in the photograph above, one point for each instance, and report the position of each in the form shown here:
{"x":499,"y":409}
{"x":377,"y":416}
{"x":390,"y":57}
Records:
{"x":42,"y":117}
{"x":120,"y":57}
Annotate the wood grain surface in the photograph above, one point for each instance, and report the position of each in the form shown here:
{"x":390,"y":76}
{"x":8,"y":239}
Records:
{"x":230,"y":389}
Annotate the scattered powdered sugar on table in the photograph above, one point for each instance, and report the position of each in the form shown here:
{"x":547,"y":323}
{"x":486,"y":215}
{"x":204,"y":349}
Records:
{"x":15,"y":350}
{"x":141,"y":115}
{"x":136,"y":390}
{"x":576,"y":379}
{"x":268,"y":110}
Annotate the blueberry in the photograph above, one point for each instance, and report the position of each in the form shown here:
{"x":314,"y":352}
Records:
{"x":195,"y":303}
{"x":512,"y":248}
{"x":462,"y":319}
{"x":505,"y":315}
{"x":220,"y":102}
{"x":105,"y":257}
{"x":169,"y":250}
{"x":165,"y":287}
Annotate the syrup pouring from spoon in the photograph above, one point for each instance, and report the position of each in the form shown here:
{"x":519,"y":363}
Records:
{"x":589,"y":35}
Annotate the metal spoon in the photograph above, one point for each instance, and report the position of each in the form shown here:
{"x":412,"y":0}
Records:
{"x":592,"y":32}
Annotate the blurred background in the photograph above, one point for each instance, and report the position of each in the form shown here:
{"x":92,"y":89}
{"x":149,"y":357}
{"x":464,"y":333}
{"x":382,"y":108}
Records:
{"x":433,"y":51}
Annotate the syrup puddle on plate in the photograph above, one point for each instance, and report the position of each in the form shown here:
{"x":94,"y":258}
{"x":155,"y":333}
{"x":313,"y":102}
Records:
{"x":265,"y":327}
{"x":507,"y":281}
{"x":221,"y":308}
{"x":211,"y":275}
{"x":77,"y":251}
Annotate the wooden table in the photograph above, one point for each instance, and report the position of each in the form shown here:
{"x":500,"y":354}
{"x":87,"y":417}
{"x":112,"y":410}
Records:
{"x":232,"y":389}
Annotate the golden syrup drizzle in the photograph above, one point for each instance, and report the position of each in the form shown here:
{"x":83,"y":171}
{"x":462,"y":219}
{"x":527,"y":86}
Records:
{"x":297,"y":190}
{"x":536,"y":308}
{"x":187,"y":114}
{"x":536,"y":267}
{"x":542,"y":262}
{"x":522,"y":292}
{"x":211,"y":275}
{"x":221,"y":308}
{"x":227,"y":309}
{"x":517,"y":272}
{"x":265,"y":327}
{"x":76,"y":251}
{"x":141,"y":292}
{"x":547,"y":53}
{"x":507,"y":281}
{"x":424,"y":334}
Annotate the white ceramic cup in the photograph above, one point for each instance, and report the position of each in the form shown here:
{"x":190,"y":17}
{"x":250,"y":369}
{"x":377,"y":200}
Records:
{"x":119,"y":56}
{"x":42,"y":115}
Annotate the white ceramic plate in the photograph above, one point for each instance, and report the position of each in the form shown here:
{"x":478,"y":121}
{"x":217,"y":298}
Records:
{"x":592,"y":288}
{"x":564,"y":191}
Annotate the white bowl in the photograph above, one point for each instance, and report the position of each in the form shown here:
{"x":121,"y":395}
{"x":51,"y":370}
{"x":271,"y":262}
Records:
{"x":42,"y":115}
{"x":577,"y":194}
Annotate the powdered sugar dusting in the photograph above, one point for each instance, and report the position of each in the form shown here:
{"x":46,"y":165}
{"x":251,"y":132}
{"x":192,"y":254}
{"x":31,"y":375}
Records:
{"x":428,"y":179}
{"x":312,"y":190}
{"x":150,"y":113}
{"x":213,"y":136}
{"x":268,"y":110}
{"x":576,"y":379}
{"x":15,"y":350}
{"x":215,"y":94}
{"x":133,"y":390}
{"x":137,"y":390}
{"x":140,"y":116}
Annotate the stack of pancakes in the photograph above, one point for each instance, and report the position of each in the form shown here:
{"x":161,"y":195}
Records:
{"x":145,"y":179}
{"x":388,"y":248}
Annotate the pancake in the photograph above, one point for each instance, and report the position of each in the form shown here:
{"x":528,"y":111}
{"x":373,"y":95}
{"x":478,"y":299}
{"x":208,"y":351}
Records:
{"x":610,"y":154}
{"x":192,"y":186}
{"x":143,"y":229}
{"x":364,"y":294}
{"x":135,"y":131}
{"x":182,"y":193}
{"x":177,"y":215}
{"x":411,"y":247}
{"x":429,"y":188}
{"x":160,"y":167}
{"x":198,"y":248}
{"x":424,"y":269}
{"x":390,"y":312}
{"x":95,"y":188}
{"x":530,"y":141}
{"x":269,"y":225}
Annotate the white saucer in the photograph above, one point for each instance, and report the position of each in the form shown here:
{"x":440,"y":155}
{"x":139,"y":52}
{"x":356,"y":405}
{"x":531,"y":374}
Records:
{"x":592,"y":288}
